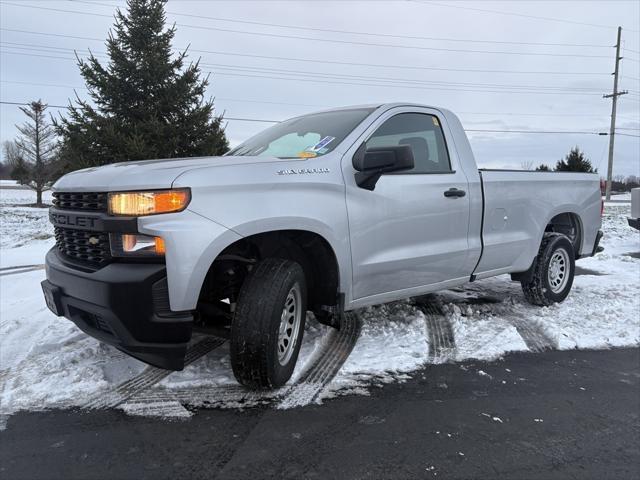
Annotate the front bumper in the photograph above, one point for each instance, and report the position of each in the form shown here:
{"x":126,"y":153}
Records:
{"x":634,"y":222}
{"x":123,"y":304}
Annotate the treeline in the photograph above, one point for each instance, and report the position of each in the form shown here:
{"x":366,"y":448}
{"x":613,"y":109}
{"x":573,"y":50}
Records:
{"x":574,"y":161}
{"x":620,"y":183}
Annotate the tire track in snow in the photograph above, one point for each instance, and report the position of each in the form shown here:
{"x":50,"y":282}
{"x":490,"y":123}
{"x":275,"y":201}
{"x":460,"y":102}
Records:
{"x":16,"y":267}
{"x":321,"y":369}
{"x":325,"y":364}
{"x":534,"y":336}
{"x":206,"y":397}
{"x":162,"y":408}
{"x":13,"y":272}
{"x":440,"y":337}
{"x":149,"y":377}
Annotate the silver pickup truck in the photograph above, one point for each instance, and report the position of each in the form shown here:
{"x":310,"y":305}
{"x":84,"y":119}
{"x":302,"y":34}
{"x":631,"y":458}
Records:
{"x":326,"y":212}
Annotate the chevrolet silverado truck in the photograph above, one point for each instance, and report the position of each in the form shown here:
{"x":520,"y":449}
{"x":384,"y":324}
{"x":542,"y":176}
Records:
{"x":323,"y":213}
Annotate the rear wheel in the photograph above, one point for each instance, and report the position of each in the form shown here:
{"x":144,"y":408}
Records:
{"x":552,"y":272}
{"x":268,"y":324}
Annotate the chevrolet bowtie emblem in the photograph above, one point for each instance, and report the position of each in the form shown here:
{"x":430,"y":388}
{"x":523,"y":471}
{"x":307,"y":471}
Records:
{"x":94,"y":240}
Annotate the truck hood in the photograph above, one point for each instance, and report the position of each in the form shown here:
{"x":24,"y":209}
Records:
{"x":147,"y":174}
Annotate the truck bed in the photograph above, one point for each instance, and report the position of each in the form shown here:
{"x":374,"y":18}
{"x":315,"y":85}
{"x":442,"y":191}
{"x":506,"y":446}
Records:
{"x":519,"y":204}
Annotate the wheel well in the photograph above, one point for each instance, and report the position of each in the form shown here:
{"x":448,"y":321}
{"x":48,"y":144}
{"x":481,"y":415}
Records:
{"x":310,"y":250}
{"x":568,"y":224}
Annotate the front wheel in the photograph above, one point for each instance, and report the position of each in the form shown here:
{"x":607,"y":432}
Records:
{"x":268,"y":324}
{"x":552,"y":272}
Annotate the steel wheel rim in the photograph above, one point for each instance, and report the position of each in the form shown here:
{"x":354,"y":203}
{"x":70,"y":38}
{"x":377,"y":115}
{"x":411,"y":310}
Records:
{"x":290,"y":321}
{"x":558,"y":271}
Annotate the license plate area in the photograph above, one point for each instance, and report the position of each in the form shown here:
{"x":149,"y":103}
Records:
{"x":52,"y":296}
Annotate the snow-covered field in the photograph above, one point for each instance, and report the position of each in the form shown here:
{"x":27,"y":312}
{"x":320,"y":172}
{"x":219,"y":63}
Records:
{"x":46,"y":362}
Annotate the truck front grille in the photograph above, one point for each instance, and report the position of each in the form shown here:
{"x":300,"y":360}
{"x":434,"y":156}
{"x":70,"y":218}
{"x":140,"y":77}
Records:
{"x":84,"y":246}
{"x":87,"y":201}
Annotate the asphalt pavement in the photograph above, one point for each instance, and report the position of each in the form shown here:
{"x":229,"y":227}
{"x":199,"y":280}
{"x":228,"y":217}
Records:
{"x":572,"y":414}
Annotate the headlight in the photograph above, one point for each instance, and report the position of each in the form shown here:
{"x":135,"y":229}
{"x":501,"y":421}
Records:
{"x":137,"y":204}
{"x":135,"y":245}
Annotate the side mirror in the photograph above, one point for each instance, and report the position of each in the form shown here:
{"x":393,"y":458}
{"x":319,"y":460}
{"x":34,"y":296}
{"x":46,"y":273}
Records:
{"x":372,"y":163}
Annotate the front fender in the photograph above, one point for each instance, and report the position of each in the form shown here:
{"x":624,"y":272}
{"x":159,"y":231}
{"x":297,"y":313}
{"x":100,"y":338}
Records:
{"x":338,"y":243}
{"x":192,"y":243}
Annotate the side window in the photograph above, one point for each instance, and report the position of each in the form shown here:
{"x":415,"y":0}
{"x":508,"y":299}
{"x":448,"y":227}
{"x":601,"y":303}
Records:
{"x":420,"y":131}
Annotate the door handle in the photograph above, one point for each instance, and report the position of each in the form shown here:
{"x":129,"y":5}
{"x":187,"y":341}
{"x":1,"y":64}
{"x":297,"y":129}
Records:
{"x":454,"y":192}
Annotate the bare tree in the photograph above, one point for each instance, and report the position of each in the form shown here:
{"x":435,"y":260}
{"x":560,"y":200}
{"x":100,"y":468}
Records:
{"x":32,"y":156}
{"x":526,"y":165}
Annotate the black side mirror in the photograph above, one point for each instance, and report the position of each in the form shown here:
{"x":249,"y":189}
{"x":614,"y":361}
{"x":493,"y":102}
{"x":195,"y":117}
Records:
{"x":372,"y":163}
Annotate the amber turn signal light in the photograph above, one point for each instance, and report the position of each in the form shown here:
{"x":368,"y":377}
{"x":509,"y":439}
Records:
{"x":137,"y":204}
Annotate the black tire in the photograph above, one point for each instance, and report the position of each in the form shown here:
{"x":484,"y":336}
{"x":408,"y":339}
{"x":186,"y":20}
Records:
{"x":256,"y":324}
{"x":536,"y":286}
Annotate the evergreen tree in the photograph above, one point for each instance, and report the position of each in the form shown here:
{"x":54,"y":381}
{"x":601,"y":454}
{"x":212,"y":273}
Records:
{"x":146,"y":102}
{"x":575,"y":161}
{"x":32,"y":156}
{"x":543,"y":168}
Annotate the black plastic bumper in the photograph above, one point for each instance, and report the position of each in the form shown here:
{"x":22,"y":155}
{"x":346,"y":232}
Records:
{"x":125,"y":305}
{"x":634,"y":222}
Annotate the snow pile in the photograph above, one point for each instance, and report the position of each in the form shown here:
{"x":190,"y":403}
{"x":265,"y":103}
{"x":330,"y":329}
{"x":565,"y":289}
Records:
{"x":46,"y":361}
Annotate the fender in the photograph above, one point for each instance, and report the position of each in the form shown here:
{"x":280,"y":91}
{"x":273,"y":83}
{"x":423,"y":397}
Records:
{"x":340,"y":246}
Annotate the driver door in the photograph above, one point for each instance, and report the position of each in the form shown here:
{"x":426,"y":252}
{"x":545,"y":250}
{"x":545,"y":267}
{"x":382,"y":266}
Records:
{"x":406,"y":234}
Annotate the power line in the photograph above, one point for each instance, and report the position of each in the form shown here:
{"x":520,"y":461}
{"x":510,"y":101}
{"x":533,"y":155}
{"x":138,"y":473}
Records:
{"x":436,"y":83}
{"x":328,"y":40}
{"x":347,"y":76}
{"x":334,"y":62}
{"x":401,"y":80}
{"x":369,"y":34}
{"x":537,"y":131}
{"x":513,"y":14}
{"x":338,"y":79}
{"x":245,"y":119}
{"x":244,"y":100}
{"x":237,"y":119}
{"x":527,"y":114}
{"x":435,"y":88}
{"x":226,"y":99}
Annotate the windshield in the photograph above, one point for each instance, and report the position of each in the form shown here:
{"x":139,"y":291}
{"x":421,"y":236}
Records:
{"x":304,"y":137}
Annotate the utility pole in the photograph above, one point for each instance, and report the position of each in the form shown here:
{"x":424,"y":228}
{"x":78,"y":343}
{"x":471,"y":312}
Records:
{"x":614,"y":100}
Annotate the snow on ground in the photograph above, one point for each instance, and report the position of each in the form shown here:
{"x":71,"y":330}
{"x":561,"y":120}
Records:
{"x":21,"y":225}
{"x":621,"y":197}
{"x":47,"y":362}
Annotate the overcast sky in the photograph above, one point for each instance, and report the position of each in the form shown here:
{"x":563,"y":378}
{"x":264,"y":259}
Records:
{"x":382,"y":51}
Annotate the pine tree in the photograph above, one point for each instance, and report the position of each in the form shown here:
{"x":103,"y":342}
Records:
{"x":146,"y":102}
{"x":32,"y":156}
{"x":543,"y":168}
{"x":575,"y":161}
